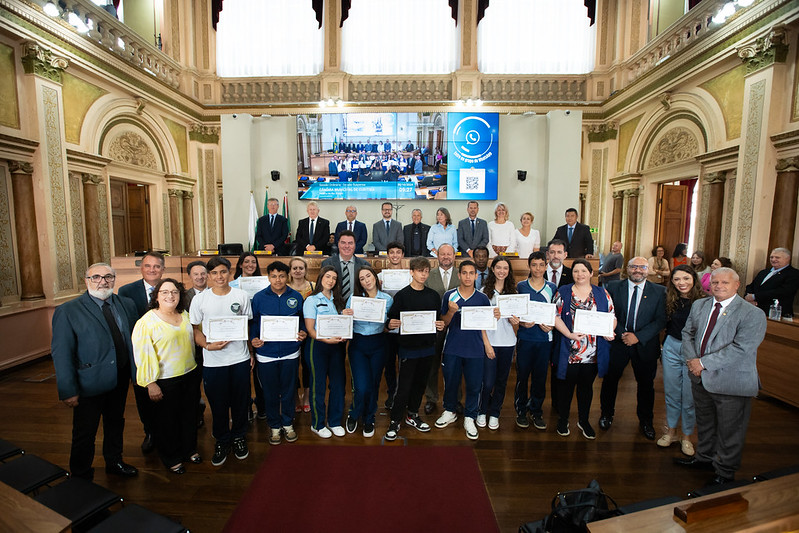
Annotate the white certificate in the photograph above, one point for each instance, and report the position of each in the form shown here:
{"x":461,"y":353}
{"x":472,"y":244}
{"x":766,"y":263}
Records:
{"x":594,"y":323}
{"x":417,"y":322}
{"x":253,"y":284}
{"x":512,"y":304}
{"x":228,"y":328}
{"x":329,"y":326}
{"x":280,"y":328}
{"x":368,"y":309}
{"x":478,"y":318}
{"x":540,"y":313}
{"x":394,"y":280}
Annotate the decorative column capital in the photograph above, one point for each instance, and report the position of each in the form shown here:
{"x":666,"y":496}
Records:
{"x":91,"y":179}
{"x":42,"y":62}
{"x":765,"y":51}
{"x":632,"y":193}
{"x":715,"y":177}
{"x":175,"y":193}
{"x":600,"y":133}
{"x":204,"y":134}
{"x":188,"y":195}
{"x":618,"y":194}
{"x":790,"y":164}
{"x":19,"y":167}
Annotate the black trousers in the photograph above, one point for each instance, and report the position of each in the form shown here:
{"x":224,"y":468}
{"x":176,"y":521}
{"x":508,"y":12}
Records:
{"x":174,"y":419}
{"x":413,"y":374}
{"x":145,"y":407}
{"x":580,"y":376}
{"x":644,"y":370}
{"x":85,"y":422}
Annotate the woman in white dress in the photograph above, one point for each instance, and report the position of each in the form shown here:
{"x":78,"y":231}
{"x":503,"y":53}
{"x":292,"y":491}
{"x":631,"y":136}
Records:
{"x":526,"y":240}
{"x":500,"y":231}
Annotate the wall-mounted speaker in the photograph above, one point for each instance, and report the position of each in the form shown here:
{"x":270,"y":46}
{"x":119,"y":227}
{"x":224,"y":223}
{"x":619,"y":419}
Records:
{"x":521,"y":175}
{"x":275,"y":175}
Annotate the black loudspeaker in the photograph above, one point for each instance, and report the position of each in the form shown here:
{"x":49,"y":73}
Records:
{"x":521,"y":174}
{"x":275,"y":175}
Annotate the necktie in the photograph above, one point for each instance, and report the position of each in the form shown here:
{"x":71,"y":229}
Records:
{"x":345,"y":279}
{"x":149,"y":295}
{"x":631,"y":310}
{"x":710,"y":325}
{"x":771,"y":273}
{"x":120,"y":347}
{"x":555,"y":277}
{"x":482,"y":278}
{"x":388,"y":226}
{"x":472,"y":228}
{"x":310,"y":233}
{"x":271,"y":221}
{"x":349,"y":226}
{"x":446,"y":280}
{"x":571,"y":232}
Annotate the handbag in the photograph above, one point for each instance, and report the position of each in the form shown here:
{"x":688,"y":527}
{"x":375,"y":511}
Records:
{"x":572,"y":510}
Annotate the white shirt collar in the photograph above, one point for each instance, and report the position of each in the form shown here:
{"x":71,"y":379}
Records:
{"x":724,"y":303}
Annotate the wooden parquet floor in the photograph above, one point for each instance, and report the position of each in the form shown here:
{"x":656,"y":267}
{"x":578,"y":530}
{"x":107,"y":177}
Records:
{"x":522,"y":469}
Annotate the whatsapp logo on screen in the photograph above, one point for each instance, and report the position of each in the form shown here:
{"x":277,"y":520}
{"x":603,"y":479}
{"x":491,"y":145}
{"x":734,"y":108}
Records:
{"x":472,"y":139}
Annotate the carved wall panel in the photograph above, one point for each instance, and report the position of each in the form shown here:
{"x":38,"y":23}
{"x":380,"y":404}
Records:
{"x":8,"y":269}
{"x":677,"y":144}
{"x":131,"y":148}
{"x":76,"y":213}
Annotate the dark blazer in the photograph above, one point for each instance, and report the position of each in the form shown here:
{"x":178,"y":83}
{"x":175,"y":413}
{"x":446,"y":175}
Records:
{"x":335,"y":261}
{"x":565,"y":276}
{"x":435,"y":282}
{"x":135,"y":291}
{"x":360,"y":234}
{"x":275,"y":236}
{"x":321,"y":235}
{"x":581,"y":244}
{"x":407,"y":231}
{"x":781,"y":286}
{"x":650,"y":321}
{"x":465,"y":239}
{"x":381,"y":239}
{"x":83,"y":349}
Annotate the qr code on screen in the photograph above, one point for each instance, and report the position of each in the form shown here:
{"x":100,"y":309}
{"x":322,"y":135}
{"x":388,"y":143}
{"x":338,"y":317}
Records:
{"x":472,"y":180}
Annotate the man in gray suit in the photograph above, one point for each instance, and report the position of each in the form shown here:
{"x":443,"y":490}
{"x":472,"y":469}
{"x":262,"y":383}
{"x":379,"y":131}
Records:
{"x":719,"y":345}
{"x":346,"y":263}
{"x":386,"y":230}
{"x":472,"y":231}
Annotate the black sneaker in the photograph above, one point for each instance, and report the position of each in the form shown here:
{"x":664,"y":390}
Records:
{"x":588,"y":431}
{"x":220,"y":454}
{"x":351,"y":424}
{"x":539,"y":422}
{"x":563,"y":428}
{"x":393,"y":430}
{"x":240,"y":449}
{"x":414,"y":421}
{"x":368,"y":429}
{"x":521,"y":421}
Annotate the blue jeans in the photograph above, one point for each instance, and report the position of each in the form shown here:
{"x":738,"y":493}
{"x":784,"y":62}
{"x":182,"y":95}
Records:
{"x":228,"y":391}
{"x":532,"y":361}
{"x":279,"y":379}
{"x":471,"y":369}
{"x":677,"y":387}
{"x":495,"y":380}
{"x":367,"y":359}
{"x":326,"y":362}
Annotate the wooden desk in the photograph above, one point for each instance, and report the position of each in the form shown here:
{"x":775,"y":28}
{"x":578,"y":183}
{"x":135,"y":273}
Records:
{"x":776,"y":361}
{"x":21,"y":513}
{"x":773,"y":506}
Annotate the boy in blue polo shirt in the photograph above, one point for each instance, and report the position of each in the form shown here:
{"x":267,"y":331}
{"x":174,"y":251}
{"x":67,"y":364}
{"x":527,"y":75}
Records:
{"x":278,"y":361}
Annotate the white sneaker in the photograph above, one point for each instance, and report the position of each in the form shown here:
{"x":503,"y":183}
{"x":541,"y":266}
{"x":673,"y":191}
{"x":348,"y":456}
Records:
{"x":471,"y":429}
{"x":324,"y":432}
{"x":446,"y":418}
{"x":291,"y":435}
{"x":338,"y":431}
{"x":493,"y":423}
{"x":481,"y":421}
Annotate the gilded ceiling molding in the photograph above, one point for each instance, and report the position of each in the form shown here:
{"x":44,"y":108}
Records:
{"x":42,"y":62}
{"x":765,"y":51}
{"x":204,"y":134}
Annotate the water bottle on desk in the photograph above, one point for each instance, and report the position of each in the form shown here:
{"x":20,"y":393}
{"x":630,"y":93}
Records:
{"x":775,"y":311}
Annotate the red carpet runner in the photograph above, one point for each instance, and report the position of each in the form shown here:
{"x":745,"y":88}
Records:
{"x":374,"y":488}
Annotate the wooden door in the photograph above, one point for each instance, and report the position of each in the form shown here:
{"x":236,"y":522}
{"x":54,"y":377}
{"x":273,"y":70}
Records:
{"x":119,"y":217}
{"x":139,"y":217}
{"x":672,"y":216}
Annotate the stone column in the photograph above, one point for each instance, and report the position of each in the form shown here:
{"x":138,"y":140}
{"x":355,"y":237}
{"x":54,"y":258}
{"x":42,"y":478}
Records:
{"x":714,"y":188}
{"x":174,"y":220}
{"x":188,"y":222}
{"x":783,"y":213}
{"x":582,"y":205}
{"x":221,"y":238}
{"x":618,"y":211}
{"x":630,"y":244}
{"x":30,"y":265}
{"x":91,"y":213}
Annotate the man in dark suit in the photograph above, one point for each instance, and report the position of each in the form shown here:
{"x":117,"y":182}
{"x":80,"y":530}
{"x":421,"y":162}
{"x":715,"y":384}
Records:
{"x":92,"y":354}
{"x":313,"y":232}
{"x":557,"y":272}
{"x":152,"y":268}
{"x":472,"y":231}
{"x":356,"y":227}
{"x":345,"y":263}
{"x":416,"y":235}
{"x":409,"y":147}
{"x":272,"y":230}
{"x":576,"y":235}
{"x":779,"y":282}
{"x":386,"y":230}
{"x":719,"y":345}
{"x":640,"y":308}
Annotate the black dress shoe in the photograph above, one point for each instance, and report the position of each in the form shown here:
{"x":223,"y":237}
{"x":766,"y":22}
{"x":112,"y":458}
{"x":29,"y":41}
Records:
{"x":718,"y":480}
{"x":647,"y":430}
{"x":605,"y":422}
{"x":178,"y":469}
{"x":429,"y":407}
{"x":147,"y":445}
{"x":120,"y":468}
{"x":694,"y":463}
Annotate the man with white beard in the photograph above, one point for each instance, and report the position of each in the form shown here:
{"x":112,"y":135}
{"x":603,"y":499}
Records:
{"x":92,"y":350}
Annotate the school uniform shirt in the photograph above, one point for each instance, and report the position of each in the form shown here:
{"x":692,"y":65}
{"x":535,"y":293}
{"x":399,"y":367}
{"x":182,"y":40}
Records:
{"x":545,"y":295}
{"x":318,"y":304}
{"x":410,"y":299}
{"x":468,"y":343}
{"x":207,"y":305}
{"x":362,"y":327}
{"x":267,"y":303}
{"x":504,"y":334}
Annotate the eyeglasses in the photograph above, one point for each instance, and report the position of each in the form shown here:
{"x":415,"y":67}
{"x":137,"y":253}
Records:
{"x":168,"y":293}
{"x":97,"y":278}
{"x":637,"y":267}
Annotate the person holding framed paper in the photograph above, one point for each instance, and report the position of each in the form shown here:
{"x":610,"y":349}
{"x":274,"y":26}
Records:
{"x":297,"y":281}
{"x":367,"y":348}
{"x":325,"y":356}
{"x":581,"y":357}
{"x":464,"y":351}
{"x":277,"y":355}
{"x":226,"y":363}
{"x":393,"y":275}
{"x":495,"y":371}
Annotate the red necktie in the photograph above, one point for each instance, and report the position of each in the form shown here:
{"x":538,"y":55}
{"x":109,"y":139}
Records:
{"x":710,"y":325}
{"x":555,"y":277}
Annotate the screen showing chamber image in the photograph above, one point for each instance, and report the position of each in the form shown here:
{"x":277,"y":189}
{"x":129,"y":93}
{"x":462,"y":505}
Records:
{"x":388,"y":156}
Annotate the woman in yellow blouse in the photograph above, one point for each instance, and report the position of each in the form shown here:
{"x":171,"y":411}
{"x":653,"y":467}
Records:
{"x":163,"y":347}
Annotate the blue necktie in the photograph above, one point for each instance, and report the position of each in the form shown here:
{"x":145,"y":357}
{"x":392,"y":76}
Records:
{"x":388,"y":227}
{"x":571,"y":232}
{"x":631,"y":310}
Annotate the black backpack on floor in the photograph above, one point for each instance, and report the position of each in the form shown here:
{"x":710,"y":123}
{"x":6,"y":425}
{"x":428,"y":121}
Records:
{"x":573,"y":509}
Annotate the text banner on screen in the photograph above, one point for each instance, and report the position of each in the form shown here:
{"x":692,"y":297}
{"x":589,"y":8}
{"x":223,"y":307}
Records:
{"x":473,"y":142}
